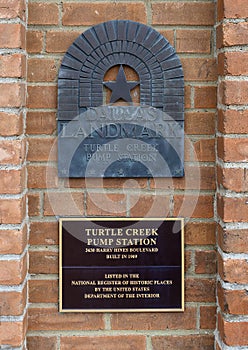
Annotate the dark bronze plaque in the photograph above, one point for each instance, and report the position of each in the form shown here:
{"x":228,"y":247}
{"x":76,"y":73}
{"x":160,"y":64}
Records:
{"x":121,"y":264}
{"x":133,"y":140}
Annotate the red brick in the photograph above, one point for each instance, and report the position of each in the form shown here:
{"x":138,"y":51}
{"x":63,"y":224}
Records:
{"x":234,"y":179}
{"x":41,"y":123}
{"x":41,"y":343}
{"x":149,"y":205}
{"x":205,"y":97}
{"x":12,"y":333}
{"x":187,"y":96}
{"x":35,"y":41}
{"x":12,"y":36}
{"x":12,"y":211}
{"x":124,"y":342}
{"x":41,"y":262}
{"x":42,"y":177}
{"x":200,"y":123}
{"x":231,"y":9}
{"x":13,"y":303}
{"x":168,"y":34}
{"x":43,"y":13}
{"x":233,"y":270}
{"x":10,"y":124}
{"x":12,"y":65}
{"x":204,"y":150}
{"x":193,"y":41}
{"x":200,"y":233}
{"x":234,"y":302}
{"x":232,"y":209}
{"x":33,"y":204}
{"x":207,"y":317}
{"x":60,"y":41}
{"x":13,"y":272}
{"x":43,"y":233}
{"x":13,"y":241}
{"x":233,"y":333}
{"x":43,"y":291}
{"x":188,"y":13}
{"x":63,"y":203}
{"x":233,"y":241}
{"x":11,"y":181}
{"x":233,"y":63}
{"x":109,"y":204}
{"x":186,"y":342}
{"x":12,"y":95}
{"x":233,"y":92}
{"x":193,"y":206}
{"x":233,"y":149}
{"x":74,"y":13}
{"x":49,"y":319}
{"x":42,"y":149}
{"x":42,"y":97}
{"x":231,"y":34}
{"x":205,"y":261}
{"x":43,"y":70}
{"x":233,"y":122}
{"x":116,"y":183}
{"x":200,"y":290}
{"x":199,"y":69}
{"x":155,"y":321}
{"x":12,"y":9}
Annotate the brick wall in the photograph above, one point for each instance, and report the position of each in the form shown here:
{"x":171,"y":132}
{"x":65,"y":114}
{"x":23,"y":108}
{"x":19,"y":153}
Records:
{"x":232,"y":158}
{"x":13,"y":202}
{"x":189,"y":28}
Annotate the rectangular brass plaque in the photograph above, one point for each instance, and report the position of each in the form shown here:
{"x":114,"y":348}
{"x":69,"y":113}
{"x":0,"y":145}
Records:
{"x":117,"y":264}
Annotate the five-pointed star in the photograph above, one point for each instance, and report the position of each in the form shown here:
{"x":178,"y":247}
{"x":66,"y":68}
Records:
{"x":121,"y":88}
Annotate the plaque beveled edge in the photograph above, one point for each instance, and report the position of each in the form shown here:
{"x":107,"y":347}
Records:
{"x":119,"y":219}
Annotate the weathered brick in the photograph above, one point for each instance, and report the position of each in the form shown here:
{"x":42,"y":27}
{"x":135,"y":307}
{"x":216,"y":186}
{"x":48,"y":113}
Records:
{"x":124,"y":342}
{"x":234,"y":179}
{"x":155,"y":321}
{"x":35,"y":41}
{"x":205,"y":261}
{"x":12,"y":95}
{"x":204,"y":150}
{"x":74,"y":13}
{"x":42,"y":177}
{"x":149,"y":205}
{"x":188,"y":13}
{"x":41,"y":123}
{"x":60,"y":41}
{"x":43,"y":13}
{"x":12,"y":333}
{"x":233,"y":241}
{"x":232,"y":209}
{"x":187,"y":96}
{"x":12,"y":9}
{"x":200,"y":233}
{"x":233,"y":63}
{"x":12,"y":181}
{"x":200,"y":123}
{"x":193,"y":206}
{"x":231,"y":34}
{"x":43,"y":291}
{"x":42,"y":149}
{"x":41,"y":343}
{"x":49,"y":319}
{"x":233,"y":92}
{"x":186,"y":342}
{"x":200,"y":290}
{"x":43,"y":233}
{"x":42,"y":97}
{"x":13,"y":241}
{"x":233,"y":270}
{"x":33,"y":204}
{"x":13,"y":303}
{"x":63,"y":203}
{"x":233,"y":149}
{"x":233,"y":121}
{"x":13,"y":272}
{"x":12,"y":211}
{"x":109,"y":204}
{"x":207,"y":317}
{"x":44,"y":70}
{"x":205,"y":97}
{"x":234,"y":302}
{"x":233,"y":333}
{"x":12,"y":65}
{"x":43,"y":262}
{"x":199,"y":69}
{"x":10,"y":124}
{"x":193,"y":41}
{"x":230,"y":9}
{"x":12,"y":36}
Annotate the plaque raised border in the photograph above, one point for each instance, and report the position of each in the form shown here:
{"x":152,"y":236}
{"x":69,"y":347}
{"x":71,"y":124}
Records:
{"x":154,"y":270}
